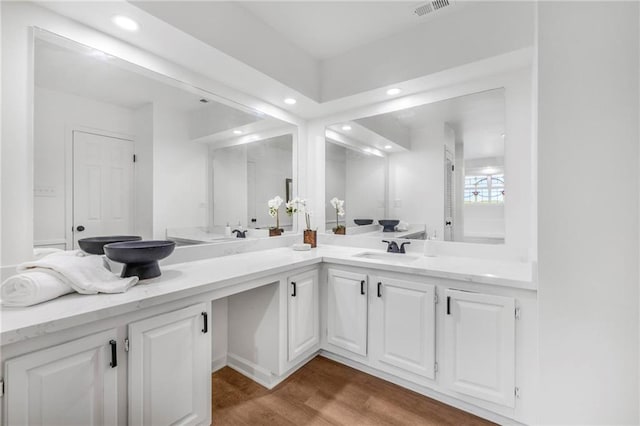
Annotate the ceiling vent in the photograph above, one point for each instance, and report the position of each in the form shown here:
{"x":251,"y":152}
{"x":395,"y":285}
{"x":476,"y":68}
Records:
{"x":431,"y":7}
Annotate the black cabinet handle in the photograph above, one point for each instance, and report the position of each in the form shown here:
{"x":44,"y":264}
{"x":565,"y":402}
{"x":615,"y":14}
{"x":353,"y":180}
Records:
{"x":379,"y":289}
{"x":362,"y":287}
{"x":205,"y":324}
{"x":114,"y":354}
{"x":293,"y":283}
{"x":80,"y":228}
{"x":448,"y":305}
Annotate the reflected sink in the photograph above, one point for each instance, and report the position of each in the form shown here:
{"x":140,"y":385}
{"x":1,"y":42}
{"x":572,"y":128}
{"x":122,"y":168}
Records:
{"x":387,"y":257}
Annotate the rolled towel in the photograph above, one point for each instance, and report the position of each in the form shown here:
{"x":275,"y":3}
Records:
{"x":86,"y":274}
{"x":33,"y":287}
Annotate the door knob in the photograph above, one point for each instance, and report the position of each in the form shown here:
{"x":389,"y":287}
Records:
{"x":80,"y":228}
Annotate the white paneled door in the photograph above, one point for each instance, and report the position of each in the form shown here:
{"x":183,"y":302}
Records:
{"x":480,"y":345}
{"x":404,"y":323}
{"x":102,"y":186}
{"x":71,"y":384}
{"x":303,"y":315}
{"x":347,"y":311}
{"x":170,"y":368}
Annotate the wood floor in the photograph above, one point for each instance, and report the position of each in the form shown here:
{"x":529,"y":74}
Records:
{"x":324,"y":392}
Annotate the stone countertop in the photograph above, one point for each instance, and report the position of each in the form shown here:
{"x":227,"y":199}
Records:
{"x":197,"y":277}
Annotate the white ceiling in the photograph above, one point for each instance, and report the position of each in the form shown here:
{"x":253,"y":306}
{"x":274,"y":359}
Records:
{"x":480,"y":118}
{"x":92,"y":74}
{"x":328,"y":28}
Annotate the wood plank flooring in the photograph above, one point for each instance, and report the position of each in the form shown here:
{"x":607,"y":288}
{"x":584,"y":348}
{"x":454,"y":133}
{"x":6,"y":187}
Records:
{"x":324,"y":392}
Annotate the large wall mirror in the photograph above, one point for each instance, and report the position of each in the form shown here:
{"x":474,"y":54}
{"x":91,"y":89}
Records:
{"x":436,"y":169}
{"x":120,"y":149}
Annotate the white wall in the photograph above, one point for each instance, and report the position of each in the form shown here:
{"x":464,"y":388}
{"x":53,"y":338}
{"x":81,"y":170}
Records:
{"x":180,"y":176}
{"x":474,"y":32}
{"x":56,"y":115}
{"x":335,"y":179}
{"x":588,"y":212}
{"x":273,"y":164}
{"x":365,"y":188}
{"x":416,"y":179}
{"x":229,"y":170}
{"x":143,"y":204}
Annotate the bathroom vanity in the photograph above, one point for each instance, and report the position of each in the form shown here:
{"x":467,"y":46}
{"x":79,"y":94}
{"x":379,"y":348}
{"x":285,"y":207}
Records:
{"x":444,"y":327}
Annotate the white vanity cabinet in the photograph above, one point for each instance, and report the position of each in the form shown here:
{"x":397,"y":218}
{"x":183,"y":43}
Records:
{"x":75,"y":383}
{"x":403,"y":326}
{"x":347,"y":308}
{"x":169,"y":368}
{"x":155,"y":363}
{"x":303,"y":317}
{"x":480,"y":346}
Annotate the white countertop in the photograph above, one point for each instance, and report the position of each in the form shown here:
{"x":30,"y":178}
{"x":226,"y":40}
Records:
{"x":192,"y":278}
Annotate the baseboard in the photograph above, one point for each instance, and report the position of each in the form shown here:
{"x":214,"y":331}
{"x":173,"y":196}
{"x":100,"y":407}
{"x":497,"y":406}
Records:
{"x":251,"y":370}
{"x":256,"y":373}
{"x":445,"y":399}
{"x":218,"y":363}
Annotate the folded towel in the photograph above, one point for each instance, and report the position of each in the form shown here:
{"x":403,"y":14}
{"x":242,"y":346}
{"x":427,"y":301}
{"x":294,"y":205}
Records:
{"x":402,"y":226}
{"x":40,"y":252}
{"x":86,"y":274}
{"x":34,"y":287}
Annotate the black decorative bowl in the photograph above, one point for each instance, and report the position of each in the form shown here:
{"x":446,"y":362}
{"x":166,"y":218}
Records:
{"x":388,"y":225}
{"x":94,"y":245}
{"x":140,"y":257}
{"x":361,"y":222}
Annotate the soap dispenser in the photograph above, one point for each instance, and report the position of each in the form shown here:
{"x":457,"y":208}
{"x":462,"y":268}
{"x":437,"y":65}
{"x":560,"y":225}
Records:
{"x":429,"y":245}
{"x":227,"y":230}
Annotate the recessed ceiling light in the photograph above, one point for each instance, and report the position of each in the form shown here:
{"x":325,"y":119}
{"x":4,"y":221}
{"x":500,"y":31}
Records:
{"x":290,"y":101}
{"x":237,"y":132}
{"x":98,"y":54}
{"x":125,"y":23}
{"x":388,"y":147}
{"x":346,"y":127}
{"x":393,"y":91}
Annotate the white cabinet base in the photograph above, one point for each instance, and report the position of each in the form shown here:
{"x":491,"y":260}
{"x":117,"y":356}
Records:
{"x":169,"y":368}
{"x":69,"y":384}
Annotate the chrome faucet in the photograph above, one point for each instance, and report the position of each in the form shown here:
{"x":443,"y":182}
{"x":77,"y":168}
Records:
{"x":392,"y":246}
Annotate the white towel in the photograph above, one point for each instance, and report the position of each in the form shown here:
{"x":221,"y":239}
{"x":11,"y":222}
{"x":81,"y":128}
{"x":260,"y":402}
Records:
{"x":31,"y":288}
{"x":40,"y":252}
{"x":85,"y":274}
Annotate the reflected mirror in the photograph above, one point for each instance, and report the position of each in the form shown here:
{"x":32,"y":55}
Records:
{"x":120,"y":149}
{"x":436,"y":169}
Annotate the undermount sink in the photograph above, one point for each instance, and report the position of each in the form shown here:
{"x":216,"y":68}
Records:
{"x":388,"y":257}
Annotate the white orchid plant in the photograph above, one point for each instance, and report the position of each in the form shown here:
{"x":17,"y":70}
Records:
{"x":299,"y":205}
{"x":274,"y":208}
{"x":339,"y":206}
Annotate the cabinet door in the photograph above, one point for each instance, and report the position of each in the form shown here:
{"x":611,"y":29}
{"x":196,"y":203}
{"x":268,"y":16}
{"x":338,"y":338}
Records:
{"x":303,"y":317}
{"x":480,"y":345}
{"x":403,"y":325}
{"x":347,"y":311}
{"x":169,"y":368}
{"x":70,"y":384}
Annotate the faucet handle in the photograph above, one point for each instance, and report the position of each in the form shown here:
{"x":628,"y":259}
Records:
{"x":402,"y":246}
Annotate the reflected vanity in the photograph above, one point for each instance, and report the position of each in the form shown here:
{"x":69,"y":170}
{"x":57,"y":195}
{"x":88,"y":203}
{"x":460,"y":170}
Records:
{"x":120,"y":149}
{"x":437,"y":168}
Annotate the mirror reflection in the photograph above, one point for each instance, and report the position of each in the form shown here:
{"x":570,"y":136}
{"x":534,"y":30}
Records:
{"x":434,"y":171}
{"x":119,"y":149}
